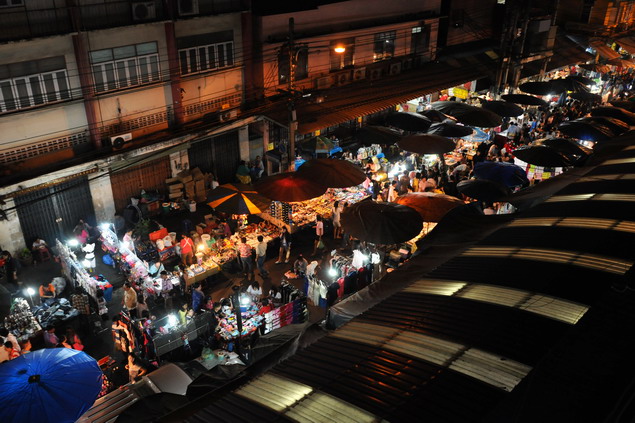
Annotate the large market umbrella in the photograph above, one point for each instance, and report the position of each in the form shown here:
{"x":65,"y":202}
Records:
{"x":317,"y":145}
{"x":468,"y":115}
{"x":332,"y":173}
{"x":503,"y":108}
{"x":585,"y":130}
{"x":586,"y":97}
{"x":541,"y":88}
{"x":483,"y":190}
{"x":434,"y":115}
{"x":407,"y":121}
{"x":568,"y":147}
{"x":431,"y":206}
{"x":377,"y":135}
{"x":542,"y":155}
{"x":569,"y":84}
{"x":478,"y":136}
{"x":504,"y":173}
{"x":626,"y":105}
{"x":237,"y":199}
{"x":51,"y":385}
{"x":618,"y":61}
{"x":450,"y":130}
{"x":289,"y":187}
{"x":615,"y":112}
{"x":381,"y":223}
{"x":528,"y":100}
{"x":615,"y":125}
{"x":426,"y":144}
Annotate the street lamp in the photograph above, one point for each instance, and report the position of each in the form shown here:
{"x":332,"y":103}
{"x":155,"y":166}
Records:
{"x":30,"y":291}
{"x":339,"y":49}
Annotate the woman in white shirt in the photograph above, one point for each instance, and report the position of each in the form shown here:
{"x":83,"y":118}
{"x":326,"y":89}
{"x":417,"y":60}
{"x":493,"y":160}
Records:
{"x":319,"y":231}
{"x":337,"y":226}
{"x":255,"y":291}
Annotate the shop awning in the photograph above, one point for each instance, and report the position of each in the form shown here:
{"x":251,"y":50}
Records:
{"x":627,"y":43}
{"x":604,"y":50}
{"x":365,"y":97}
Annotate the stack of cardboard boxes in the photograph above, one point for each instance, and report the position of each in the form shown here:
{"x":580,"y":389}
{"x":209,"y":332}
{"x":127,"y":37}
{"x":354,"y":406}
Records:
{"x":189,"y":184}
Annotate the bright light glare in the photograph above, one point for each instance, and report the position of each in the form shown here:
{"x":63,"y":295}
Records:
{"x":172,"y":320}
{"x":332,"y":272}
{"x":30,"y":291}
{"x":339,"y":49}
{"x":200,"y":247}
{"x":72,"y":242}
{"x":244,"y":300}
{"x":104,"y":226}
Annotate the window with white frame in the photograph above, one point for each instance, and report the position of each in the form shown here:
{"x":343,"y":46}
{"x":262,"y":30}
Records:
{"x":127,"y":66}
{"x":206,"y":52}
{"x":33,"y":83}
{"x":11,"y":3}
{"x":384,"y":46}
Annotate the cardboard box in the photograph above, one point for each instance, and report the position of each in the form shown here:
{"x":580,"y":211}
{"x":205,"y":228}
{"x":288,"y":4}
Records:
{"x":200,"y":186}
{"x":171,"y":180}
{"x":185,"y":176}
{"x":175,"y":187}
{"x":197,"y":174}
{"x":175,"y":195}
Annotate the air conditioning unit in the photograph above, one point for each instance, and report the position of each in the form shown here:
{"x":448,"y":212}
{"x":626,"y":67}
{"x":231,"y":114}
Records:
{"x":227,"y":115}
{"x":359,"y":74}
{"x":118,"y":141}
{"x":375,"y":74}
{"x":343,"y":78}
{"x":323,"y":83}
{"x":188,"y":7}
{"x":395,"y":69}
{"x":143,"y":11}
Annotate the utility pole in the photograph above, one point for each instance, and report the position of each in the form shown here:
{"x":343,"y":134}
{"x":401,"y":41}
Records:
{"x":293,"y":122}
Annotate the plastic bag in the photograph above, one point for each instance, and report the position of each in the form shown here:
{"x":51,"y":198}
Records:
{"x":108,"y":261}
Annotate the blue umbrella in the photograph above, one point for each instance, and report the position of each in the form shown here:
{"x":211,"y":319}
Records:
{"x":51,"y":385}
{"x":504,"y":173}
{"x":478,"y":135}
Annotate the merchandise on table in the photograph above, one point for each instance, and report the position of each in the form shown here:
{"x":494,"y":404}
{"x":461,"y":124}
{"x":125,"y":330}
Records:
{"x":251,"y":320}
{"x":21,"y":321}
{"x":59,"y":311}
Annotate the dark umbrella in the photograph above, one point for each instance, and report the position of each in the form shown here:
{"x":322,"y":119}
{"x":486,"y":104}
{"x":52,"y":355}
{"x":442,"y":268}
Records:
{"x":504,"y":173}
{"x":615,"y":112}
{"x":332,"y":173}
{"x":541,"y":88}
{"x":615,"y":125}
{"x":542,"y":155}
{"x":317,"y":145}
{"x":581,"y":79}
{"x":289,"y":187}
{"x":434,"y":115}
{"x":569,"y":84}
{"x":342,"y":132}
{"x":586,"y":97}
{"x":626,"y":105}
{"x":450,"y":130}
{"x":528,"y":100}
{"x":503,"y":108}
{"x":237,"y":199}
{"x":566,"y":146}
{"x":381,"y":223}
{"x":49,"y":385}
{"x":378,"y":135}
{"x":594,"y":67}
{"x":413,"y":122}
{"x":468,"y":115}
{"x":586,"y":131}
{"x":483,"y":190}
{"x":431,"y":206}
{"x":426,"y":144}
{"x":151,"y":408}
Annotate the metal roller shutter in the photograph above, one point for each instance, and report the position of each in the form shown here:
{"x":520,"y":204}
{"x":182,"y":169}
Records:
{"x":147,"y":176}
{"x":54,"y":211}
{"x":219,"y":155}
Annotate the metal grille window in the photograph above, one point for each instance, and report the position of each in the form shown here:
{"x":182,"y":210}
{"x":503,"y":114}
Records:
{"x":11,"y":3}
{"x":127,"y":66}
{"x":384,"y":47}
{"x":206,"y":58}
{"x":33,"y":90}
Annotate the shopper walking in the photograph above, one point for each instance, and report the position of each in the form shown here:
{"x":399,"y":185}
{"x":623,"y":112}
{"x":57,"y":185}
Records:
{"x":337,"y":225}
{"x":187,"y":250}
{"x":245,"y":258}
{"x":130,"y":299}
{"x":285,"y":246}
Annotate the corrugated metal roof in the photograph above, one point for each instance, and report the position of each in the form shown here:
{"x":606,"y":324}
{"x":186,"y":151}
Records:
{"x":577,"y":222}
{"x":604,"y":50}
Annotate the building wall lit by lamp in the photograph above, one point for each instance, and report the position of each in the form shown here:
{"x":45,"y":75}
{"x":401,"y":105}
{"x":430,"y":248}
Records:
{"x":339,"y":49}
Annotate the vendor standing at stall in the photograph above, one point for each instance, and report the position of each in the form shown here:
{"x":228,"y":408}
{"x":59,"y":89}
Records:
{"x":130,"y":299}
{"x":166,"y":290}
{"x":261,"y":256}
{"x":47,"y":292}
{"x":197,"y":297}
{"x":187,"y":250}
